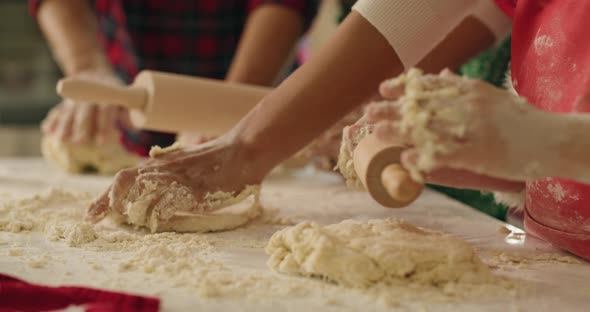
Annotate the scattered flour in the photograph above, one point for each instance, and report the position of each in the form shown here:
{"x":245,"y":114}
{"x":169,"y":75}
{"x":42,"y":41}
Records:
{"x":523,"y":260}
{"x":556,"y":191}
{"x":195,"y":260}
{"x":15,"y":252}
{"x":39,"y":262}
{"x":41,"y":212}
{"x":73,"y":233}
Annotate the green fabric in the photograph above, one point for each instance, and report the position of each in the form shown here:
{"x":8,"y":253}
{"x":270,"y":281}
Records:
{"x":346,"y":7}
{"x":491,"y":66}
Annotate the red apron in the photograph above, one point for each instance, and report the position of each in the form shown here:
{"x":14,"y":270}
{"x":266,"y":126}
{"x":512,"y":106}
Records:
{"x":551,"y":68}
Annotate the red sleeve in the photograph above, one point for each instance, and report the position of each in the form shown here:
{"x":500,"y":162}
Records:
{"x":507,"y":6}
{"x":34,"y":7}
{"x":307,"y":8}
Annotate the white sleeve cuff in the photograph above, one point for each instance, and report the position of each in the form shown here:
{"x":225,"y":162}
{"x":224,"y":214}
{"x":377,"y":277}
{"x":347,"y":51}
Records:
{"x":414,"y":28}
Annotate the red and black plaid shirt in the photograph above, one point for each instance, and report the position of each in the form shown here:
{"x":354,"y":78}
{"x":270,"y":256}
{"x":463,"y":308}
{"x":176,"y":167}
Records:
{"x":192,"y":37}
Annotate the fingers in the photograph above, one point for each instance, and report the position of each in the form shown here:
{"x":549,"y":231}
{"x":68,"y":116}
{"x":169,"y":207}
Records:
{"x":444,"y":175}
{"x":389,"y":90}
{"x":124,"y":180}
{"x":49,"y":124}
{"x":445,"y":73}
{"x":384,"y":110}
{"x":64,"y":123}
{"x":99,"y":208}
{"x":83,"y":123}
{"x":388,"y":131}
{"x":105,"y":123}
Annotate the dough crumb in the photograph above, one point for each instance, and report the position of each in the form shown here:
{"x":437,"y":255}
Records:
{"x":38,"y":262}
{"x":15,"y":252}
{"x":156,"y":150}
{"x":523,"y":260}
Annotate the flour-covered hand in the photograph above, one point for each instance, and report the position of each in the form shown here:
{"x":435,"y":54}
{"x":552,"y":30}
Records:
{"x":178,"y":179}
{"x":448,"y":121}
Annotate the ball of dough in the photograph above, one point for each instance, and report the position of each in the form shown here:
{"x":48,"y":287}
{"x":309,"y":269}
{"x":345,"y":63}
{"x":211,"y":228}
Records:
{"x":360,"y":254}
{"x":107,"y":158}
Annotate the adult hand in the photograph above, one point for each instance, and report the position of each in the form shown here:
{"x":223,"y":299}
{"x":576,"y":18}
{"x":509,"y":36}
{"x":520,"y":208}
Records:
{"x":85,"y":123}
{"x":186,"y":174}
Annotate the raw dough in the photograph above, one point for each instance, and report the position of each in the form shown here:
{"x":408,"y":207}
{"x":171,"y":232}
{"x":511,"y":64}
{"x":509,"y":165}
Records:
{"x":174,"y":211}
{"x":345,"y":162}
{"x":76,"y":158}
{"x":419,"y":108}
{"x":361,"y":254}
{"x":417,"y":112}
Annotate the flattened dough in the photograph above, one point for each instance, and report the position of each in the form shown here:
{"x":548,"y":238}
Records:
{"x":164,"y":207}
{"x":175,"y":210}
{"x":76,"y":158}
{"x":360,"y":254}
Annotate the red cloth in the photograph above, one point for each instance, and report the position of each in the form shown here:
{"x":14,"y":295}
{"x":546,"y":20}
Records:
{"x":18,"y":295}
{"x":551,"y":68}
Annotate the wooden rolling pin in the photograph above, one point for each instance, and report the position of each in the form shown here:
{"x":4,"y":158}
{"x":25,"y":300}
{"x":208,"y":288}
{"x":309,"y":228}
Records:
{"x":170,"y":102}
{"x":377,"y":166}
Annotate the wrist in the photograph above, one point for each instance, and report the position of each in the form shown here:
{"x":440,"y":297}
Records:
{"x":257,"y":158}
{"x":82,"y":63}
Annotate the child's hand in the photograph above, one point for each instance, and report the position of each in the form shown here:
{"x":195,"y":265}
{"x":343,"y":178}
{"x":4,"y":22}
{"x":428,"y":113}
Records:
{"x":470,"y":128}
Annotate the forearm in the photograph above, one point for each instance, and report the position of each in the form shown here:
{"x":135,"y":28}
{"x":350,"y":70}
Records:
{"x":71,"y":31}
{"x":346,"y":71}
{"x":319,"y":93}
{"x":266,"y":43}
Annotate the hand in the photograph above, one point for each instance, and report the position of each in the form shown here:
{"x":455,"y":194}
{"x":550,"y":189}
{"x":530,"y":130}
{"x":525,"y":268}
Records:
{"x":218,"y":165}
{"x":188,"y":139}
{"x":85,"y":123}
{"x":324,"y":150}
{"x":467,"y":125}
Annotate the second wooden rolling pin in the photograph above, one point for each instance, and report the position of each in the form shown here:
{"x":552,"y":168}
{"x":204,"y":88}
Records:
{"x":170,"y":102}
{"x":377,"y":165}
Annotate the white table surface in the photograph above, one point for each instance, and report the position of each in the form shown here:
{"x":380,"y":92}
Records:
{"x":307,"y":195}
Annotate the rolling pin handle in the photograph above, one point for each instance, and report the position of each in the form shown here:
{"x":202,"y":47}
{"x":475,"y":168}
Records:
{"x":399,"y":184}
{"x":101,"y":93}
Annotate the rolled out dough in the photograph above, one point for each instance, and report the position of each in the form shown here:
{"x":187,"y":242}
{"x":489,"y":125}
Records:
{"x":76,"y":158}
{"x":360,"y":254}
